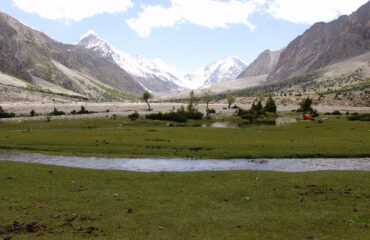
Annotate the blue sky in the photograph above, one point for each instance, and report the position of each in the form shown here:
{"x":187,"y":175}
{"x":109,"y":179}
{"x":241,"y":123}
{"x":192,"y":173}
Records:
{"x":186,"y":34}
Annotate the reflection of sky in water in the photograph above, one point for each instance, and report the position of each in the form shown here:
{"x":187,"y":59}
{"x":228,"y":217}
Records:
{"x":184,"y":165}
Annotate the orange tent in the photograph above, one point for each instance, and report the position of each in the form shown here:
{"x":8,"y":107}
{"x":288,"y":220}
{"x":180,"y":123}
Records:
{"x":306,"y":116}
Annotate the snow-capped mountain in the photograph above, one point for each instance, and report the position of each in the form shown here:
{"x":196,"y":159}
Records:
{"x":219,"y":71}
{"x":156,"y":76}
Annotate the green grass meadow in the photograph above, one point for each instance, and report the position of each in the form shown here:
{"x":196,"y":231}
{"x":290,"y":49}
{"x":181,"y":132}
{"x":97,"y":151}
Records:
{"x":94,"y":204}
{"x":334,"y":137}
{"x":49,"y":202}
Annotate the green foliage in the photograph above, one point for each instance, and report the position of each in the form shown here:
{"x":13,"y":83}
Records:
{"x":270,"y":105}
{"x":357,"y":116}
{"x":179,"y":116}
{"x":55,"y":112}
{"x":257,"y":107}
{"x":134,"y":116}
{"x":230,"y":100}
{"x":305,"y":105}
{"x":33,"y":113}
{"x":336,"y":113}
{"x":146,"y":96}
{"x":192,"y":101}
{"x":82,"y":111}
{"x":4,"y":114}
{"x":212,"y":110}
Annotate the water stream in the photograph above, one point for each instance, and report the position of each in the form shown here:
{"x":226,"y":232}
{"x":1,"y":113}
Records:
{"x":186,"y":165}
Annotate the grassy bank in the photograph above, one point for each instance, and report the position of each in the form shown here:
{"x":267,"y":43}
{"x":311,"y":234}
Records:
{"x":146,"y":138}
{"x":74,"y":204}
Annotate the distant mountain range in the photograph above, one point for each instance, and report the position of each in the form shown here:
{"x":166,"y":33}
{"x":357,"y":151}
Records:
{"x":156,"y":76}
{"x":92,"y":68}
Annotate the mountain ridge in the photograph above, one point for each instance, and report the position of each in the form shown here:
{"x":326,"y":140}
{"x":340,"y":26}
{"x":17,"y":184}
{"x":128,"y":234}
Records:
{"x":30,"y":54}
{"x":324,"y":44}
{"x":155,"y":75}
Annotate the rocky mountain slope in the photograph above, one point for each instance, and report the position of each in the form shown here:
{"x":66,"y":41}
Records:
{"x":324,"y":44}
{"x":156,"y":76}
{"x":41,"y":61}
{"x":265,"y":63}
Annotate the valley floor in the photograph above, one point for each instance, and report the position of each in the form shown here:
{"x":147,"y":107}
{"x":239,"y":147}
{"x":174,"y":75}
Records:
{"x":121,"y":137}
{"x":107,"y":109}
{"x":47,"y":202}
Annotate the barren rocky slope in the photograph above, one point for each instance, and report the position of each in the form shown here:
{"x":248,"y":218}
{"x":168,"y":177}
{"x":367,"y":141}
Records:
{"x":265,"y":63}
{"x":324,"y":44}
{"x":32,"y":55}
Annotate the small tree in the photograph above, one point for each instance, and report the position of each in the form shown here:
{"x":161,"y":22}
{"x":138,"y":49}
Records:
{"x":257,"y":107}
{"x":193,"y":101}
{"x":32,"y":113}
{"x":270,"y":105}
{"x":305,"y":105}
{"x":230,"y":100}
{"x":207,"y":98}
{"x":146,"y":97}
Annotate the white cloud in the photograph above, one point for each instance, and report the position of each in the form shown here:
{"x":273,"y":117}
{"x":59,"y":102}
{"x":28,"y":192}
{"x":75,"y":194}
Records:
{"x":221,"y":14}
{"x":205,"y":13}
{"x":311,"y":11}
{"x":75,"y":10}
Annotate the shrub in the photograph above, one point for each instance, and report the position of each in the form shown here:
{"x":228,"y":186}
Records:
{"x":361,"y":117}
{"x":179,"y":116}
{"x":57,"y":113}
{"x":257,"y":108}
{"x":336,"y":112}
{"x":241,"y":112}
{"x":32,"y":113}
{"x":4,"y":114}
{"x":134,"y":116}
{"x":314,"y":113}
{"x":305,"y":105}
{"x":212,"y":110}
{"x":82,"y":110}
{"x":250,"y":116}
{"x":270,"y":105}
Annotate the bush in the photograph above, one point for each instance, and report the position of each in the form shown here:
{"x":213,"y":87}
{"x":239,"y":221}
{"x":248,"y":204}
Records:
{"x":361,"y":117}
{"x":82,"y":110}
{"x":32,"y":113}
{"x":57,"y":113}
{"x":179,"y":116}
{"x":212,"y":110}
{"x":305,"y":105}
{"x":4,"y":114}
{"x":134,"y":116}
{"x":270,"y":105}
{"x":337,"y":113}
{"x":251,"y":116}
{"x":314,"y":113}
{"x":241,"y":112}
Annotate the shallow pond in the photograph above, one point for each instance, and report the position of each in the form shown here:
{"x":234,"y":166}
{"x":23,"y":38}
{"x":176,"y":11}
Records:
{"x":187,"y":165}
{"x":278,"y":122}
